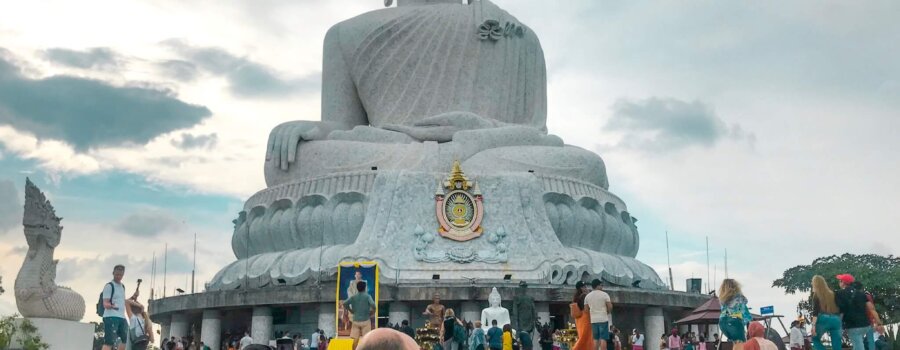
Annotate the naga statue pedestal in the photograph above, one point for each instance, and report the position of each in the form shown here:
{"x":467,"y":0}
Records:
{"x":59,"y":334}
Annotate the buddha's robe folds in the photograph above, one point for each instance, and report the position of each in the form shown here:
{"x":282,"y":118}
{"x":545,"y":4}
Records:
{"x":470,"y":78}
{"x":409,"y":63}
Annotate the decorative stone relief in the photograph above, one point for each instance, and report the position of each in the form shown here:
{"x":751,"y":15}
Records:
{"x":310,"y":222}
{"x":495,"y":253}
{"x":493,"y":30}
{"x":588,"y":224}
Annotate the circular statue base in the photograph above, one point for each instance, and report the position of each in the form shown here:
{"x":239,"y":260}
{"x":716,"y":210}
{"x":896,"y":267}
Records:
{"x":273,"y":311}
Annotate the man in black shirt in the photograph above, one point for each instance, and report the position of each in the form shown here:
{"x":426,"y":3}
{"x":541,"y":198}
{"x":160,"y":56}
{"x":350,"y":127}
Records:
{"x":406,"y":329}
{"x":852,"y":303}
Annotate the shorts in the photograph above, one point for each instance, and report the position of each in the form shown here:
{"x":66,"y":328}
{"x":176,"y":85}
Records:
{"x":114,"y":327}
{"x":600,"y":330}
{"x":733,"y":328}
{"x":360,"y":328}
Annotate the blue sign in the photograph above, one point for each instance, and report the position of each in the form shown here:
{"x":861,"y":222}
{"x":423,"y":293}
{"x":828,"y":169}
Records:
{"x":767,"y":310}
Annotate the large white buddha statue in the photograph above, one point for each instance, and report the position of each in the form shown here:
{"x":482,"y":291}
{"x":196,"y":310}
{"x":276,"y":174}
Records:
{"x":470,"y":79}
{"x":406,"y":92}
{"x":494,"y":312}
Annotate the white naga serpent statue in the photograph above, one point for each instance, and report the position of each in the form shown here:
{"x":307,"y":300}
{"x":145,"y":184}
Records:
{"x":37,"y":294}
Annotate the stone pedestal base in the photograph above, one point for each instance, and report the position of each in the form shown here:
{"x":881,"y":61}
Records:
{"x":60,"y":334}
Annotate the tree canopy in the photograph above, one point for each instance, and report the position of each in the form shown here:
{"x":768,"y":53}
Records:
{"x":880,"y":275}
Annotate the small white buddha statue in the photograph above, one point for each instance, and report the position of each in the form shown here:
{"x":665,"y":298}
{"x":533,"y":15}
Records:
{"x":494,"y":312}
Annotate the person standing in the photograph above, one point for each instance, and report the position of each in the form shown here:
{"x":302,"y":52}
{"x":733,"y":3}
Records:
{"x":361,"y":308}
{"x":245,"y":341}
{"x":448,"y":330}
{"x":495,"y":336}
{"x":637,"y":340}
{"x":674,"y":341}
{"x":477,"y":340}
{"x":138,"y":327}
{"x":351,"y":291}
{"x":852,"y":303}
{"x":825,"y":315}
{"x":546,"y":340}
{"x":600,"y":306}
{"x":734,"y":316}
{"x":507,"y":337}
{"x":582,"y":318}
{"x":115,"y":326}
{"x":758,"y":341}
{"x":796,"y":338}
{"x":663,"y":344}
{"x":314,"y":340}
{"x":871,"y":314}
{"x":406,"y":329}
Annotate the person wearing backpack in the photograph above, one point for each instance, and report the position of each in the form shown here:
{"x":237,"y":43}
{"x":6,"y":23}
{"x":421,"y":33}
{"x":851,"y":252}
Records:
{"x":852,"y":303}
{"x":450,"y":332}
{"x":115,"y":325}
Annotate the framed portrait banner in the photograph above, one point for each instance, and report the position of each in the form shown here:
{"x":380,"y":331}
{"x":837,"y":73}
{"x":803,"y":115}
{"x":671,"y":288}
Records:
{"x":349,"y":274}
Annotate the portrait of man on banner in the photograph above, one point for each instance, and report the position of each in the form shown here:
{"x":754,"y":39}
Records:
{"x":349,"y":275}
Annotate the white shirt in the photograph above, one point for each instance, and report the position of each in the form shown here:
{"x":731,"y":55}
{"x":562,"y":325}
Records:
{"x":597,"y":300}
{"x":246,"y":341}
{"x":638,"y":340}
{"x":118,"y":299}
{"x":137,"y":322}
{"x":796,"y":337}
{"x":314,"y":340}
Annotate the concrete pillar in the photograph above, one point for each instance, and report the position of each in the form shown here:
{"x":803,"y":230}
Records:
{"x":399,"y":312}
{"x":543,"y":312}
{"x":164,"y":328}
{"x":261,"y":325}
{"x":179,"y":326}
{"x":327,"y":319}
{"x":470,"y":311}
{"x":211,"y":329}
{"x":654,"y":326}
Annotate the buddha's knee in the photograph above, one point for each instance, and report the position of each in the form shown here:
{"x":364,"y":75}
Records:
{"x":325,"y":157}
{"x":567,"y":161}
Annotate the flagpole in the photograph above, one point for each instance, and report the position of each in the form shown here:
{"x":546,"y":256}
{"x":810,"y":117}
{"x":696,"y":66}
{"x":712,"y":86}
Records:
{"x":152,"y":275}
{"x":708,"y":281}
{"x":194,"y":268}
{"x":669,"y":261}
{"x":165,"y":268}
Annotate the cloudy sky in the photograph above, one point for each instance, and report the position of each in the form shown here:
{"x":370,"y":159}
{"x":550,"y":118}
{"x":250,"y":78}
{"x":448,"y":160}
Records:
{"x":769,"y":127}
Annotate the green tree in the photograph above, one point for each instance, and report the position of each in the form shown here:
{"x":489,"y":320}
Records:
{"x":31,"y":339}
{"x":7,"y":330}
{"x":879,"y":274}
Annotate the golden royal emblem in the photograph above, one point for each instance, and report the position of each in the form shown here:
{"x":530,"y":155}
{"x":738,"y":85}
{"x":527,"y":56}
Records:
{"x":458,"y":206}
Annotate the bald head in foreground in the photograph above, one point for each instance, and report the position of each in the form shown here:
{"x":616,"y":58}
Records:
{"x":386,"y":339}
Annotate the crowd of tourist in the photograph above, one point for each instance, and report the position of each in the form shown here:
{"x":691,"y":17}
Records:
{"x":850,"y":308}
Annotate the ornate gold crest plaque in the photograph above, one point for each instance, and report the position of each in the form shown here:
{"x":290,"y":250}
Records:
{"x":458,"y":206}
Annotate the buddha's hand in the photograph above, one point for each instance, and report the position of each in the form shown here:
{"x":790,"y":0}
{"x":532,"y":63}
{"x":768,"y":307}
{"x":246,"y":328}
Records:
{"x":283,"y":140}
{"x":441,"y":127}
